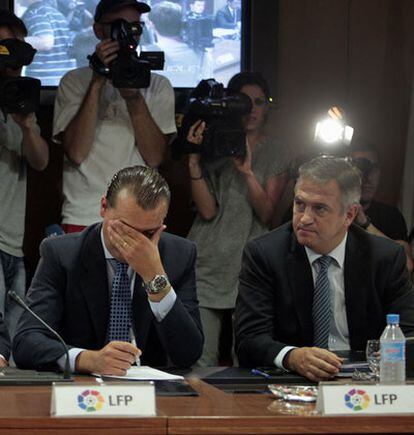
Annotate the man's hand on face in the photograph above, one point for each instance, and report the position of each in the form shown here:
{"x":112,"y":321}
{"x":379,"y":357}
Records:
{"x":137,"y":249}
{"x":113,"y":359}
{"x":313,"y":363}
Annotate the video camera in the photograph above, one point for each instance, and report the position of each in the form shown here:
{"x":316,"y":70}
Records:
{"x":17,"y":94}
{"x":224,"y":135}
{"x":128,"y":70}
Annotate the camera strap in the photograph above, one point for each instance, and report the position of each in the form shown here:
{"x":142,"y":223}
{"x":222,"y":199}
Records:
{"x":98,"y":66}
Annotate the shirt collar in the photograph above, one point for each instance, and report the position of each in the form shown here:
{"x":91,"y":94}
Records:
{"x":108,"y":255}
{"x":338,"y":253}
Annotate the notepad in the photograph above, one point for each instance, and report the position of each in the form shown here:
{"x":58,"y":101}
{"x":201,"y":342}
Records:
{"x":144,"y":373}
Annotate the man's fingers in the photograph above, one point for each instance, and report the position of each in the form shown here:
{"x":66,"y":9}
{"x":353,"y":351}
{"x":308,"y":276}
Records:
{"x":156,"y":236}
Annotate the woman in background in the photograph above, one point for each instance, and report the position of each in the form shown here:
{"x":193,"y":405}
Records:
{"x":235,"y":200}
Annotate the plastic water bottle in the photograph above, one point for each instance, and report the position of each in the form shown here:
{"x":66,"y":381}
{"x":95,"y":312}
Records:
{"x":392,"y":363}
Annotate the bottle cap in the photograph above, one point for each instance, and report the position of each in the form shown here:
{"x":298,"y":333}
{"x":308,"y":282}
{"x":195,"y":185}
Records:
{"x":393,"y":319}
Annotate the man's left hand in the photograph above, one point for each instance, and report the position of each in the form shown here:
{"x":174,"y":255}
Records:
{"x":139,"y":251}
{"x":3,"y":362}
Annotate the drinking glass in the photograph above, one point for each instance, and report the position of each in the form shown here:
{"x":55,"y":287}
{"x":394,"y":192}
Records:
{"x":373,"y":357}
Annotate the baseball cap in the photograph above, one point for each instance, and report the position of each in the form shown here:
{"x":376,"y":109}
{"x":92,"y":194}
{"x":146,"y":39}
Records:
{"x":8,"y":19}
{"x":105,"y":6}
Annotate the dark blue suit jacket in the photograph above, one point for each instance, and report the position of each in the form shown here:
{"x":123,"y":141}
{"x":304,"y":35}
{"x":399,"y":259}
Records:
{"x":70,"y":291}
{"x":274,"y":305}
{"x":4,"y":339}
{"x":225,"y":20}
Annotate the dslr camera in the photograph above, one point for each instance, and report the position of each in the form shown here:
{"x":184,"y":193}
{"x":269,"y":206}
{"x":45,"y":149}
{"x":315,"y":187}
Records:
{"x":128,"y":70}
{"x":223,"y":114}
{"x":17,"y":94}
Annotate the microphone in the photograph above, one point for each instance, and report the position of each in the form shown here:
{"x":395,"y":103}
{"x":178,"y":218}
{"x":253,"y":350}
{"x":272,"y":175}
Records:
{"x":22,"y":303}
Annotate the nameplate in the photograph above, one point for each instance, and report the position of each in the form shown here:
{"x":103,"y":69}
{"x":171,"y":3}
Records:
{"x":129,"y":399}
{"x":352,"y":399}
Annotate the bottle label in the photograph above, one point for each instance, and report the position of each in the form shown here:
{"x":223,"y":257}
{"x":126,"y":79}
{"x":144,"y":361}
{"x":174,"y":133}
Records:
{"x":393,"y":352}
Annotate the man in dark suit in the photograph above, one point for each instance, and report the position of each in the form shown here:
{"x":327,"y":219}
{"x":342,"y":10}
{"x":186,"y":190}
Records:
{"x":228,"y":16}
{"x":119,"y":281}
{"x":4,"y":343}
{"x":319,"y":284}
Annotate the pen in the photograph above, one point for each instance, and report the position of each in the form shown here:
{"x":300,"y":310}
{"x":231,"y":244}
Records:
{"x":260,"y":373}
{"x":137,"y":358}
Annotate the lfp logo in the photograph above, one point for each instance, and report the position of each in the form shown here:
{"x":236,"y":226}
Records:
{"x":91,"y":401}
{"x":357,"y":400}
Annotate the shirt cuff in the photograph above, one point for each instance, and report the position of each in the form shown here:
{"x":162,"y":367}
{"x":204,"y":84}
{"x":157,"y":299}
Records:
{"x":163,"y":307}
{"x":2,"y":357}
{"x":279,"y":357}
{"x":73,"y":353}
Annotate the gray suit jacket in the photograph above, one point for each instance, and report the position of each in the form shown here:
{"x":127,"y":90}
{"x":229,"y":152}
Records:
{"x":274,"y":305}
{"x":70,"y":291}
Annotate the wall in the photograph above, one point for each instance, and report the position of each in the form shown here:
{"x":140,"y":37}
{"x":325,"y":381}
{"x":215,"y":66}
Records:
{"x":315,"y":53}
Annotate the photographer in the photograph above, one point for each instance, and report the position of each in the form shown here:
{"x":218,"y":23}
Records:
{"x":103,"y":128}
{"x":376,"y":217}
{"x":235,"y":200}
{"x":20,"y":142}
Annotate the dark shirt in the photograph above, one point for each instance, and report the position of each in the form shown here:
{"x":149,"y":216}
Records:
{"x":388,"y":219}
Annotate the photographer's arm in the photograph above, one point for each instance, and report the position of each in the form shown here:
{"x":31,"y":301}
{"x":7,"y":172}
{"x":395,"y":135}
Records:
{"x":79,"y":135}
{"x":34,"y":147}
{"x":149,"y":139}
{"x":202,"y":197}
{"x":262,"y":199}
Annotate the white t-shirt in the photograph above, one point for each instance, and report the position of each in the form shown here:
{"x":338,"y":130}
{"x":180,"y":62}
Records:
{"x":12,"y":187}
{"x":114,"y":145}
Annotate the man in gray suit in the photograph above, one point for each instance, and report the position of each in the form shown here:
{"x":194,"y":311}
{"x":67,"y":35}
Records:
{"x":117,"y":291}
{"x":319,"y":284}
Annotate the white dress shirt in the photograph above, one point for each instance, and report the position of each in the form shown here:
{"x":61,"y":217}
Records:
{"x":159,"y":309}
{"x":338,"y":332}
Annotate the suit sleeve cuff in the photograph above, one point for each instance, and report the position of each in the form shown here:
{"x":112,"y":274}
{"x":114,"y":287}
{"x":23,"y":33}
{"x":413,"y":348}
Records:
{"x":280,"y":356}
{"x":73,"y":354}
{"x":163,"y":307}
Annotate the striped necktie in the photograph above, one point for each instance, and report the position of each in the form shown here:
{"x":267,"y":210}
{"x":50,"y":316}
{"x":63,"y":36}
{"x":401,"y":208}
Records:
{"x":321,"y":309}
{"x":120,"y":313}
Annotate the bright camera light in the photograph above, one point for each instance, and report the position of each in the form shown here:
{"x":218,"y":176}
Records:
{"x":332,"y":130}
{"x":329,"y":131}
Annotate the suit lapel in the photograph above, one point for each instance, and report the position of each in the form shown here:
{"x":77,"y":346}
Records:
{"x":94,"y":282}
{"x":355,"y":295}
{"x":300,"y":275}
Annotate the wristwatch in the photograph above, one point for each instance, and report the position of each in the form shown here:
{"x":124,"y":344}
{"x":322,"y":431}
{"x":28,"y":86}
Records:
{"x":158,"y":284}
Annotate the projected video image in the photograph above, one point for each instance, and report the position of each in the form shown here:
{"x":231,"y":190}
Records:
{"x":200,"y":38}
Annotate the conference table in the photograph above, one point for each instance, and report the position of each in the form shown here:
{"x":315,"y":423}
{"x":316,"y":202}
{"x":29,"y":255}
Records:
{"x":217,"y":409}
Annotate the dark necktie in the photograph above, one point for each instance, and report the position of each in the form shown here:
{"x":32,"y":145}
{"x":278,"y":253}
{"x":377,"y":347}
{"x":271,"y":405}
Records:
{"x":321,"y":309}
{"x":120,"y":314}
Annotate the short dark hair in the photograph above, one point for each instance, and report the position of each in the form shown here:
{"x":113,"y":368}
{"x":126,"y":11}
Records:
{"x":248,"y":78}
{"x":167,"y":17}
{"x":145,"y":184}
{"x":14,"y":23}
{"x":360,"y":143}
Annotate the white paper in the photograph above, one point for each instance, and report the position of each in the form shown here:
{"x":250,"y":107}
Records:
{"x":145,"y":373}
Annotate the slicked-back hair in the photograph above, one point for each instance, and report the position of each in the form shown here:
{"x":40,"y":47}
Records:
{"x":325,"y":168}
{"x":146,"y":185}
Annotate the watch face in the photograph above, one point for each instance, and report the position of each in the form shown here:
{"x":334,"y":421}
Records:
{"x":158,"y":284}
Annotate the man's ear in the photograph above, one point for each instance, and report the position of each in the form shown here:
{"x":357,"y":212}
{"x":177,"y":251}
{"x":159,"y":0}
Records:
{"x":351,"y":213}
{"x":104,"y":206}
